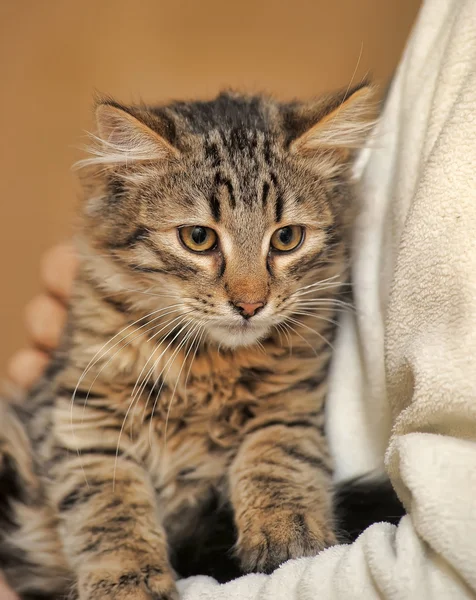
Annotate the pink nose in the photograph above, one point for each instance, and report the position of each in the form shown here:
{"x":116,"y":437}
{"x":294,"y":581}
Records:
{"x":248,"y":309}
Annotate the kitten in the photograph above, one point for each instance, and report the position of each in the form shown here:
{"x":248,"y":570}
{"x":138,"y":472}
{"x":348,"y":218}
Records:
{"x":191,"y":379}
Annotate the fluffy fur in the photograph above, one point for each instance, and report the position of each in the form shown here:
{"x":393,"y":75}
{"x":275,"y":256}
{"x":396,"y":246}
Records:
{"x":165,"y":408}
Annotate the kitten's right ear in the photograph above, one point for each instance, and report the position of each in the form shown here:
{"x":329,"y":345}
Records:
{"x":340,"y":123}
{"x":124,"y":138}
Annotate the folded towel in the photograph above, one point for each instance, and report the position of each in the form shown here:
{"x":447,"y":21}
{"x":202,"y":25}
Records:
{"x":404,"y":375}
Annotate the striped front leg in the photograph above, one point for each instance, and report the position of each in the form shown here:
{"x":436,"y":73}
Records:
{"x":109,"y":527}
{"x":280,"y":487}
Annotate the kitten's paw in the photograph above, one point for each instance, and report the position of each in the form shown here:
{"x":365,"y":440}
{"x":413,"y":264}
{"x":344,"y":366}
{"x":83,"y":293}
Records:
{"x":160,"y":585}
{"x":268,"y":542}
{"x":145,"y":582}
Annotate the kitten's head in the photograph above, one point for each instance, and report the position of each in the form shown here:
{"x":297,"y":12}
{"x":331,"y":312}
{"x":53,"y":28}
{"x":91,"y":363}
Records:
{"x":225,"y":209}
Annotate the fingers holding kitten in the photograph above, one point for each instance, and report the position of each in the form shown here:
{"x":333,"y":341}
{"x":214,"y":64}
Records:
{"x":58,"y":268}
{"x":45,"y":316}
{"x":26,"y":366}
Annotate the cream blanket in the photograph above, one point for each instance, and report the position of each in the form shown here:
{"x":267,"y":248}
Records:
{"x":406,"y":362}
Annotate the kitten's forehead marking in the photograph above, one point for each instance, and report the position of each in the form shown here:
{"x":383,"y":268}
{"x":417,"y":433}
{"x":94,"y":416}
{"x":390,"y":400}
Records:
{"x":243,"y":167}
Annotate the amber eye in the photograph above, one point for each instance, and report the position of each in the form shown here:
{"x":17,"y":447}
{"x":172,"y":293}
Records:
{"x":287,"y":238}
{"x":198,"y":238}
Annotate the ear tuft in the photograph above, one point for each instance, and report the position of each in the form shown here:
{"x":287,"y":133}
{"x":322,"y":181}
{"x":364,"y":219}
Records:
{"x":343,"y":123}
{"x":125,"y":139}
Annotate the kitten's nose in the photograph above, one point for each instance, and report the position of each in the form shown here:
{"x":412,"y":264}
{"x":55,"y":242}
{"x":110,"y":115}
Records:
{"x":248,"y":309}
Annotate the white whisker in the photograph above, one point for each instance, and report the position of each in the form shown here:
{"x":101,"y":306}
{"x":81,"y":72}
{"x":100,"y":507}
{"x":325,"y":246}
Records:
{"x":196,"y":330}
{"x":167,"y":324}
{"x":200,"y":333}
{"x":293,"y":329}
{"x":297,"y":322}
{"x":314,"y":316}
{"x":169,"y":365}
{"x":92,"y":362}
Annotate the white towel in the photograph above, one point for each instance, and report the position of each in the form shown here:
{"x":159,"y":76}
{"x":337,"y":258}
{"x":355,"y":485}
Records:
{"x":404,"y":377}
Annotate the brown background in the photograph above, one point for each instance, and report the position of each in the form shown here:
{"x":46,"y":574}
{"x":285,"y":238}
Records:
{"x":55,"y":53}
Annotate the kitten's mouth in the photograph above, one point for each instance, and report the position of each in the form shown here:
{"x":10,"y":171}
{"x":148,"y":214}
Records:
{"x":242,"y":333}
{"x":244,"y":324}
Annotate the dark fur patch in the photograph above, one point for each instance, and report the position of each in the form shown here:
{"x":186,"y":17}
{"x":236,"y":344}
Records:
{"x":264,"y":198}
{"x":297,"y":454}
{"x":215,"y":206}
{"x":206,"y":547}
{"x":362,"y":501}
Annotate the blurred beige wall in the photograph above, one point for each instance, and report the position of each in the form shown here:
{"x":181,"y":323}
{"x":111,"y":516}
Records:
{"x":55,"y":53}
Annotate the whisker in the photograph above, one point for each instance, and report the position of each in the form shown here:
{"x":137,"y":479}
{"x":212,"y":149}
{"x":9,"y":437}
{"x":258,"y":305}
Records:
{"x":135,"y":394}
{"x":293,"y":329}
{"x":320,"y":285}
{"x":155,"y":363}
{"x":169,"y":365}
{"x":297,"y":322}
{"x":194,"y":355}
{"x":160,"y":374}
{"x":90,"y":364}
{"x":286,"y":333}
{"x":324,"y":302}
{"x":144,"y":383}
{"x":278,"y":331}
{"x":331,"y":278}
{"x":260,"y":346}
{"x":196,"y":329}
{"x":93,"y":359}
{"x":124,"y":420}
{"x":308,"y":314}
{"x":167,"y":324}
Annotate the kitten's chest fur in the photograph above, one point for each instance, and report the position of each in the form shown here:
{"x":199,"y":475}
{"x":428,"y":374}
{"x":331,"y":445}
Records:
{"x":186,"y":421}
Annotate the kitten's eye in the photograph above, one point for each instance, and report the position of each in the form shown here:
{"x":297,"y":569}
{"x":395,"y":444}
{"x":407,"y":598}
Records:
{"x":287,"y":238}
{"x":198,"y":238}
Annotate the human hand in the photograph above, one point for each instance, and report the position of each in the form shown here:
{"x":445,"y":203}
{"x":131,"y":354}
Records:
{"x":45,"y":316}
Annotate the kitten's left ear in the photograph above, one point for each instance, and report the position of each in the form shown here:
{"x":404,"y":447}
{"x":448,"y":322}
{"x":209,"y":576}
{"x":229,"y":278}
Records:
{"x":341,"y":123}
{"x":127,"y":136}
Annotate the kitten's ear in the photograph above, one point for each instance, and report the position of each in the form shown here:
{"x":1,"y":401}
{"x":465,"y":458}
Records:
{"x":125,"y":138}
{"x":341,"y":123}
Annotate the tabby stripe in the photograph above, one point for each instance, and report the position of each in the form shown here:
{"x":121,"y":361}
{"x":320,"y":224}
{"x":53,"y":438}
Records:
{"x":267,"y":479}
{"x":129,"y":579}
{"x":78,"y":495}
{"x":309,"y":459}
{"x":142,"y":269}
{"x":279,"y":208}
{"x":107,"y":408}
{"x":80,"y":394}
{"x":267,"y":152}
{"x":117,"y":188}
{"x":215,"y":207}
{"x":279,"y":199}
{"x":104,"y":452}
{"x":265,"y":193}
{"x":222,"y":268}
{"x":139,"y":235}
{"x":277,"y":423}
{"x":310,"y":384}
{"x":118,"y":305}
{"x":176,"y":267}
{"x":231,"y":193}
{"x":98,"y":530}
{"x":149,"y":570}
{"x":91,"y":547}
{"x":55,"y":366}
{"x":212,"y":153}
{"x":219,"y":181}
{"x":275,"y":463}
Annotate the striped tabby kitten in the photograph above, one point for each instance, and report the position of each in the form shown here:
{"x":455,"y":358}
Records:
{"x":191,"y":380}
